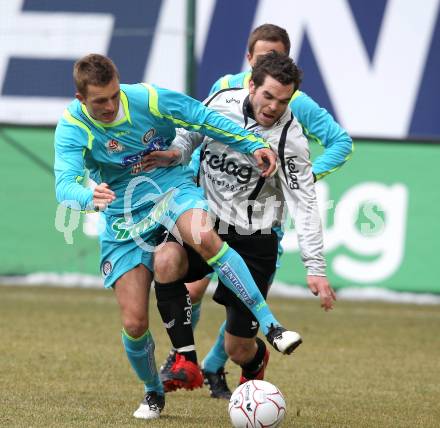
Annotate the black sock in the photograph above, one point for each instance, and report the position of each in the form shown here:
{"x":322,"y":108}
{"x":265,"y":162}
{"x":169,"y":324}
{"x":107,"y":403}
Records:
{"x":174,"y":306}
{"x":252,"y":368}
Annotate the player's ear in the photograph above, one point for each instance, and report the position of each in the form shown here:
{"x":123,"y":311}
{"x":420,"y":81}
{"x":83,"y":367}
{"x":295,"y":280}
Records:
{"x":80,"y":97}
{"x":249,"y":58}
{"x":252,"y":87}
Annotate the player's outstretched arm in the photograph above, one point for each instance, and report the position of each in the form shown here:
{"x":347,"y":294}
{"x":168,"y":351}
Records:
{"x":266,"y":160}
{"x":185,"y":112}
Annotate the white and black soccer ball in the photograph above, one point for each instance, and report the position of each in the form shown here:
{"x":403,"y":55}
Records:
{"x":257,"y":404}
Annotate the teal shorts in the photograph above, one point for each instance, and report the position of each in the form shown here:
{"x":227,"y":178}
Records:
{"x":130,"y":240}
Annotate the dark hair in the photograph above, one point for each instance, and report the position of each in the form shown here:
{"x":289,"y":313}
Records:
{"x":269,"y":33}
{"x":93,"y":69}
{"x":279,"y":66}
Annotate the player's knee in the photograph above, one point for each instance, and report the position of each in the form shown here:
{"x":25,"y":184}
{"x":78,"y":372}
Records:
{"x":170,"y":263}
{"x":135,"y":326}
{"x":209,"y":244}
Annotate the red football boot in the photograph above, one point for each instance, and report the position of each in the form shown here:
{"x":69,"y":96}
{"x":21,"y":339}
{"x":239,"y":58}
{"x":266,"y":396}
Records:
{"x":183,"y":374}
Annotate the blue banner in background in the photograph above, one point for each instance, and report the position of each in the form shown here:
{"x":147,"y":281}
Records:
{"x":53,"y":77}
{"x":373,"y":68}
{"x":226,"y":44}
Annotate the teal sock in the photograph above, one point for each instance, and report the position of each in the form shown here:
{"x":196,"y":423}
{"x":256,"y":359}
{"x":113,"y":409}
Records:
{"x":217,"y":355}
{"x":233,"y":272}
{"x":140,"y":353}
{"x":195,"y":316}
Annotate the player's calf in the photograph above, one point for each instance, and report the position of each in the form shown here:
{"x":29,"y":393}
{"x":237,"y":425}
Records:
{"x":255,"y":368}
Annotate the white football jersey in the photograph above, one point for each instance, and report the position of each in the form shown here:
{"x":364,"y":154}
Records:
{"x":237,"y":193}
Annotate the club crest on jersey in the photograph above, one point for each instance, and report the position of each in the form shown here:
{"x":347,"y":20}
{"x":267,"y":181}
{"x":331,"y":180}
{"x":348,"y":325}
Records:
{"x":114,"y":146}
{"x":107,"y":268}
{"x":148,"y":135}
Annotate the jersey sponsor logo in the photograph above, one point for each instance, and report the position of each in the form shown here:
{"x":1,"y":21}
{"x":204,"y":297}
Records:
{"x":124,"y":231}
{"x":238,"y":285}
{"x":232,"y":100}
{"x":130,"y":160}
{"x":292,"y":172}
{"x":148,"y":135}
{"x":114,"y":146}
{"x":242,"y":172}
{"x":223,"y":183}
{"x":136,"y":161}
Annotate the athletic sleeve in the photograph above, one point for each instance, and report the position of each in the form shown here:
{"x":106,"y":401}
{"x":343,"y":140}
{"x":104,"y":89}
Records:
{"x":221,"y":83}
{"x":70,"y":142}
{"x":296,"y":181}
{"x":319,"y":126}
{"x":190,"y":114}
{"x":187,"y":143}
{"x":194,"y":163}
{"x":215,"y":87}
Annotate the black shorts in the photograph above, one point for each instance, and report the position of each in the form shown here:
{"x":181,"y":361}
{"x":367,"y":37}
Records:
{"x":259,"y":251}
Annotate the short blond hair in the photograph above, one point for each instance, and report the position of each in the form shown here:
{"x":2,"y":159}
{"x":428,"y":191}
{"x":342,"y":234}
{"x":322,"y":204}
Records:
{"x":93,"y":69}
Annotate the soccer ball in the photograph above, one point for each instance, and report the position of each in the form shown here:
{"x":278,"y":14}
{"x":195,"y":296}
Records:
{"x":257,"y":404}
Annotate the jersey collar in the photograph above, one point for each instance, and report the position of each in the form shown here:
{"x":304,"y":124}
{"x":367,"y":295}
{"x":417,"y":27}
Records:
{"x":126,"y":117}
{"x":247,"y":110}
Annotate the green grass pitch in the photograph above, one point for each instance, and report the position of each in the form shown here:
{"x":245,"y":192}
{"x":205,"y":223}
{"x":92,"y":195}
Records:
{"x":362,"y":365}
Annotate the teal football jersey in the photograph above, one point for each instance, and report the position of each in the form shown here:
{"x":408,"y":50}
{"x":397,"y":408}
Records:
{"x":113,"y":152}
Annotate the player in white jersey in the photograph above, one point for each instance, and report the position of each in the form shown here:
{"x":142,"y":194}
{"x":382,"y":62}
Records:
{"x":246,"y":207}
{"x":318,"y":126}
